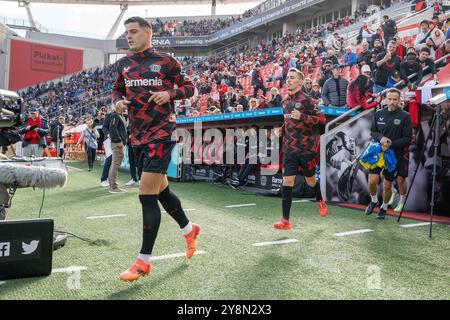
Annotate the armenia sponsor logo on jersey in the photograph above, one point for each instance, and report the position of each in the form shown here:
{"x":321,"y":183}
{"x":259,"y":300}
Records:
{"x":143,"y":82}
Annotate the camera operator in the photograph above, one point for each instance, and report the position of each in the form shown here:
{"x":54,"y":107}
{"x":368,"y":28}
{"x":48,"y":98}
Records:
{"x":34,"y":131}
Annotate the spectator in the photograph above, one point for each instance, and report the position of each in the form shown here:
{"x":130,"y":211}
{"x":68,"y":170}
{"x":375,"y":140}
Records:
{"x":386,"y":64}
{"x":376,"y":36}
{"x":445,"y":50}
{"x":435,"y":41}
{"x":307,"y":87}
{"x":358,"y":93}
{"x":365,"y":70}
{"x":325,"y":72}
{"x":426,"y":61}
{"x":389,"y":29}
{"x":316,"y":94}
{"x":365,"y":56}
{"x":230,"y":98}
{"x":34,"y":131}
{"x":223,"y":89}
{"x":118,"y":136}
{"x":242,"y":100}
{"x":275,"y":98}
{"x":424,"y":34}
{"x":436,"y":9}
{"x":350,"y":58}
{"x":409,"y":67}
{"x":394,"y":79}
{"x":401,"y":49}
{"x":365,"y":33}
{"x":334,"y":90}
{"x":331,"y":55}
{"x":257,"y":81}
{"x":253,"y":104}
{"x":89,"y":137}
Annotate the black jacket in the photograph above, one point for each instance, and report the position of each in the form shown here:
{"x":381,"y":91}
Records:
{"x":406,"y":70}
{"x":56,"y":132}
{"x":395,"y":125}
{"x":117,"y":129}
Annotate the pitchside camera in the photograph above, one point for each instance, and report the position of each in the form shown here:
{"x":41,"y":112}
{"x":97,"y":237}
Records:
{"x":10,"y":109}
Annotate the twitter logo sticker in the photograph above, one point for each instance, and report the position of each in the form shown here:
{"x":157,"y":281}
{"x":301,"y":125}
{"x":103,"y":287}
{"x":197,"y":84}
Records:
{"x":30,"y":248}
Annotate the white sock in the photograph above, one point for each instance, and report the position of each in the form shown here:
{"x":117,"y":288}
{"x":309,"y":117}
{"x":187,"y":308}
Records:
{"x":374,"y":198}
{"x":144,"y":257}
{"x":402,"y":199}
{"x":186,"y":230}
{"x":384,"y":206}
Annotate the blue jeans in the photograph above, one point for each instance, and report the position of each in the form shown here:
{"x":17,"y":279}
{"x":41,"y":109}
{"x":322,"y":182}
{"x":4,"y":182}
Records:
{"x":106,"y":167}
{"x":377,"y":88}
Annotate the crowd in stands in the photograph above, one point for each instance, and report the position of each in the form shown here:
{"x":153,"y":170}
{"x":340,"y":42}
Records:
{"x":177,"y":28}
{"x":174,"y":28}
{"x":69,"y":97}
{"x":337,"y":73}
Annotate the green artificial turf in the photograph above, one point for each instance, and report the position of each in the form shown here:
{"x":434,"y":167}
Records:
{"x":319,"y":266}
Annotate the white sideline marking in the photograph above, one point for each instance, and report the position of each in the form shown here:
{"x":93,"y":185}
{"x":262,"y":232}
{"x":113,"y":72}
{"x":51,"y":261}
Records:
{"x":110,"y":216}
{"x":412,"y":225}
{"x":241,"y":205}
{"x":2,"y":282}
{"x":304,"y":200}
{"x":69,"y":269}
{"x":269,"y":243}
{"x":175,"y":255}
{"x":342,"y":234}
{"x":74,"y":169}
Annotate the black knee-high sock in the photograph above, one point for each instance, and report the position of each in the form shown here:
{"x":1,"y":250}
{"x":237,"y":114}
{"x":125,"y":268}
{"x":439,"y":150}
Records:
{"x":287,"y":201}
{"x":151,"y":219}
{"x":317,"y":191}
{"x":172,"y":205}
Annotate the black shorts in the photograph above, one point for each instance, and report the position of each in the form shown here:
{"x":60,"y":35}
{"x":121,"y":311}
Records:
{"x":401,"y":170}
{"x":294,"y":164}
{"x":153,"y":157}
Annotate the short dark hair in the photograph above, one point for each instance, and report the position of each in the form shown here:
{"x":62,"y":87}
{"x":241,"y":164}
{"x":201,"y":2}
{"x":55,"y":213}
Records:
{"x":427,"y":22}
{"x":386,"y":16}
{"x":141,"y":21}
{"x":425,"y":49}
{"x":394,"y":90}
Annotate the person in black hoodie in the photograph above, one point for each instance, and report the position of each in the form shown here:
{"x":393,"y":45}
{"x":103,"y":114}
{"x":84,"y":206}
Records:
{"x":118,"y":136}
{"x":392,"y":128}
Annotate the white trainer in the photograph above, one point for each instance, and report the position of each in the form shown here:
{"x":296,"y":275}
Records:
{"x":132,"y":183}
{"x":104,"y":183}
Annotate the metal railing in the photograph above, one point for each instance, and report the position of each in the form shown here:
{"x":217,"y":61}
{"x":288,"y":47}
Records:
{"x":357,"y":108}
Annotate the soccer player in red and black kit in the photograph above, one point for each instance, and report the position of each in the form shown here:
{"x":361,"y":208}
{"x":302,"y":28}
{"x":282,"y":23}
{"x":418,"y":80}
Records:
{"x":145,"y":84}
{"x":301,"y":138}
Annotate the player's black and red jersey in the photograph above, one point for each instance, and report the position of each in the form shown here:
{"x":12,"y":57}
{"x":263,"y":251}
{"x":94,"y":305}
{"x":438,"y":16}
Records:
{"x":302,"y":136}
{"x":137,"y":75}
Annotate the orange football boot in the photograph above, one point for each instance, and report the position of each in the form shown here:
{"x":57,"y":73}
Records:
{"x":191,"y":243}
{"x":138,"y":270}
{"x":322,"y":206}
{"x":283,"y":224}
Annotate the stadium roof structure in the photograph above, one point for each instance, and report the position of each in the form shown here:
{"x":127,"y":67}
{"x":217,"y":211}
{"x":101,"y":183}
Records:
{"x":124,"y":4}
{"x":135,"y":2}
